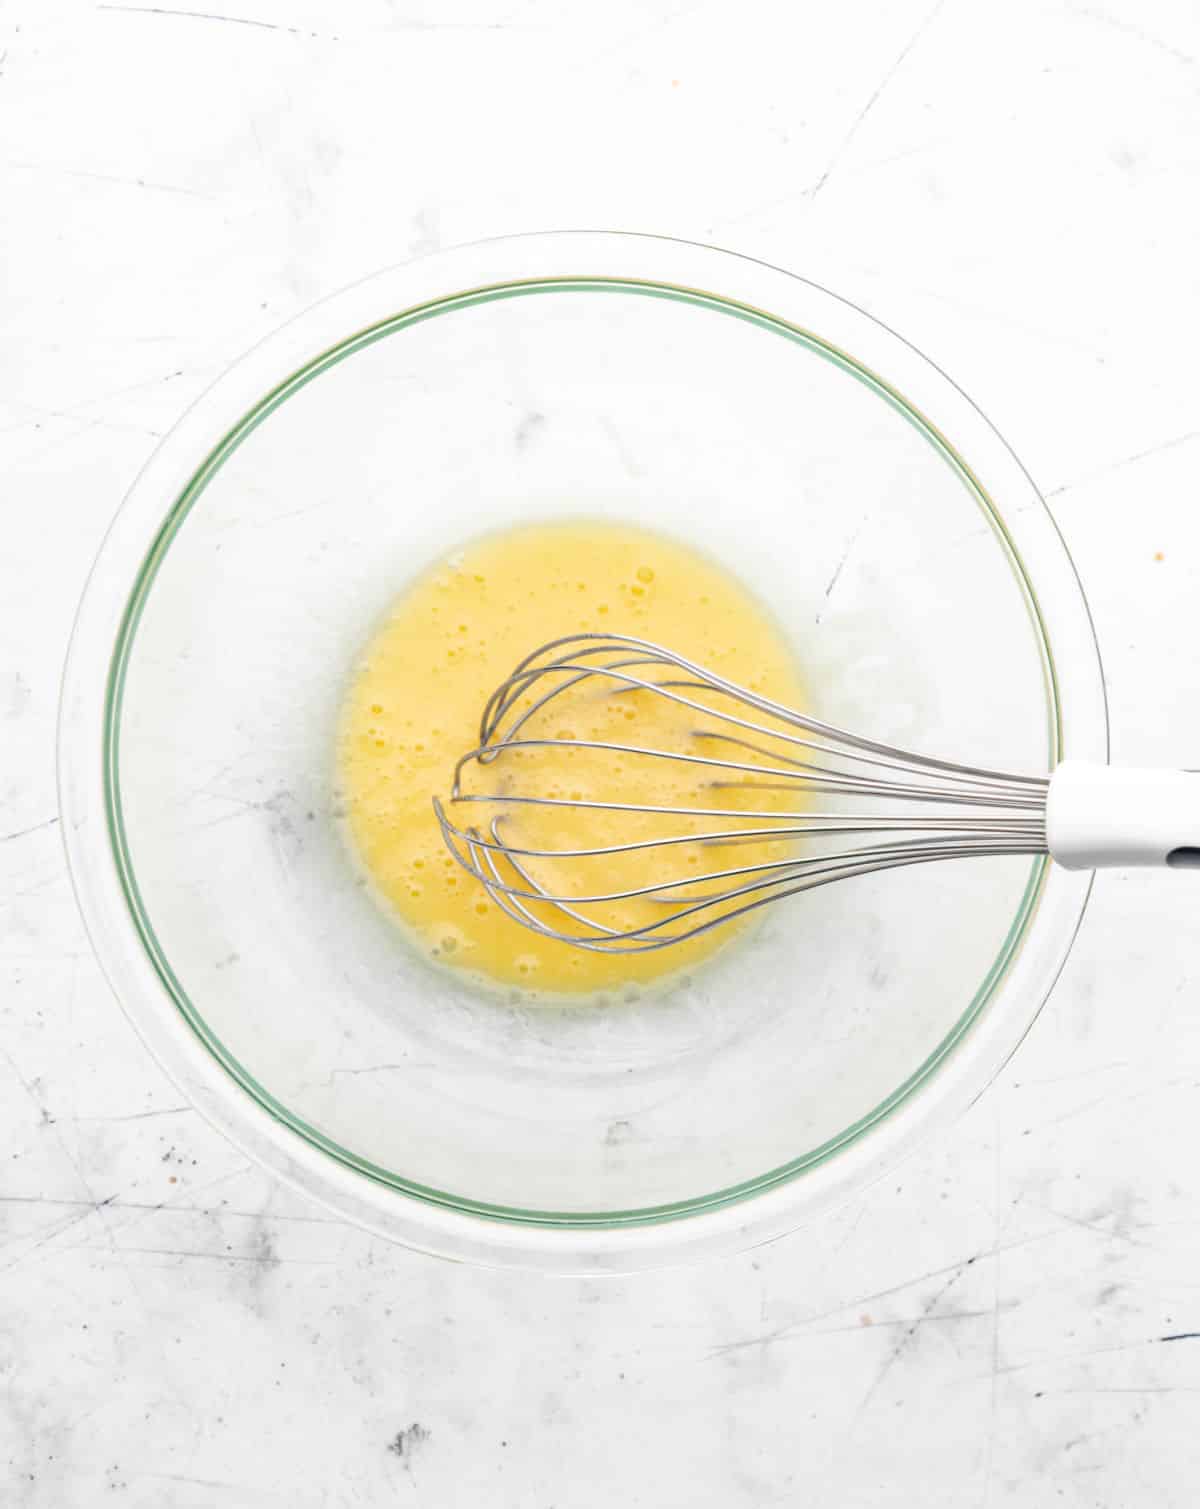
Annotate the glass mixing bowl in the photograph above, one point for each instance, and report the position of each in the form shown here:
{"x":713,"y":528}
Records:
{"x":900,"y":545}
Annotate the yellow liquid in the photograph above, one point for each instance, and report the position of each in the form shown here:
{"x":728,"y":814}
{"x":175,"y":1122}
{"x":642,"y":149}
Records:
{"x":413,"y":709}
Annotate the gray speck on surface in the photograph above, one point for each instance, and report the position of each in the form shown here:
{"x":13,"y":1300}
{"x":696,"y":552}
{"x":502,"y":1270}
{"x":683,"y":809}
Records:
{"x":530,"y":424}
{"x":264,"y":1247}
{"x":259,"y":1262}
{"x":281,"y":812}
{"x":17,"y":695}
{"x":407,"y":1441}
{"x":427,"y":237}
{"x":624,"y":454}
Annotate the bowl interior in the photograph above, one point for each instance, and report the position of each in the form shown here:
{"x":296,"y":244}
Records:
{"x":849,"y":516}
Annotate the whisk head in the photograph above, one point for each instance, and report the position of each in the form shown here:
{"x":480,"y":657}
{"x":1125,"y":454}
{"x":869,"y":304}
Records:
{"x":760,"y":801}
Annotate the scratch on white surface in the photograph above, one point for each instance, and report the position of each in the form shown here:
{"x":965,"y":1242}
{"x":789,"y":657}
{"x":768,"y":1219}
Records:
{"x":873,"y":100}
{"x":416,"y":23}
{"x":46,"y":1234}
{"x":860,"y":1328}
{"x":24,"y":832}
{"x":853,"y":1228}
{"x":630,"y":467}
{"x":1006,"y":320}
{"x":200,"y":15}
{"x":1123,"y":461}
{"x":80,"y":428}
{"x":906,"y":1338}
{"x":993,"y":1386}
{"x":128,"y":181}
{"x":394,"y":23}
{"x":914,"y":149}
{"x":94,"y":1206}
{"x":133,"y":1115}
{"x":182,"y":1477}
{"x":271,"y":522}
{"x":1152,"y":1388}
{"x":1111,"y":1233}
{"x":269,"y":1260}
{"x":1063,"y":1357}
{"x":72,"y":411}
{"x":98,"y":1206}
{"x":83,"y":424}
{"x":807,"y":1322}
{"x":1188,"y":1081}
{"x":134,"y":387}
{"x":136,"y":1211}
{"x":1058,"y":1079}
{"x":1055,"y":1121}
{"x":143,"y":1208}
{"x":251,"y":1492}
{"x":840,"y":567}
{"x":368,"y":1069}
{"x":44,"y":884}
{"x":802,"y":1327}
{"x":1129,"y":30}
{"x":649,"y":29}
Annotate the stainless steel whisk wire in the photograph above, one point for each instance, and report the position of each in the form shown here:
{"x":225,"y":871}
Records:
{"x":1006,"y":813}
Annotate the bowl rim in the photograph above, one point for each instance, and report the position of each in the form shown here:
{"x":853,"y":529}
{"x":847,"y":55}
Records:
{"x":175,"y":476}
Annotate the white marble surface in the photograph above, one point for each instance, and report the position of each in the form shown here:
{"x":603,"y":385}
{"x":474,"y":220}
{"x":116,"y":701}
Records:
{"x":1014,"y":188}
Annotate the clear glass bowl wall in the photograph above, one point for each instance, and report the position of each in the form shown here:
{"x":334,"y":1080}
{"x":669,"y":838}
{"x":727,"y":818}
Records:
{"x":825,"y":463}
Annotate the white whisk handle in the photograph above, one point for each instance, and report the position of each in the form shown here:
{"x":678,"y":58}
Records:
{"x":1103,"y":815}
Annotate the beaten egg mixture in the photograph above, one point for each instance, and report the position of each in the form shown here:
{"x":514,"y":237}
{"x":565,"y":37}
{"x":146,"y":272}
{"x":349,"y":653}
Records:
{"x":413,"y":707}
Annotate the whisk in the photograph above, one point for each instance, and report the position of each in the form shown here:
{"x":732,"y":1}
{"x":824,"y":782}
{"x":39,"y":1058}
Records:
{"x":891,"y":807}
